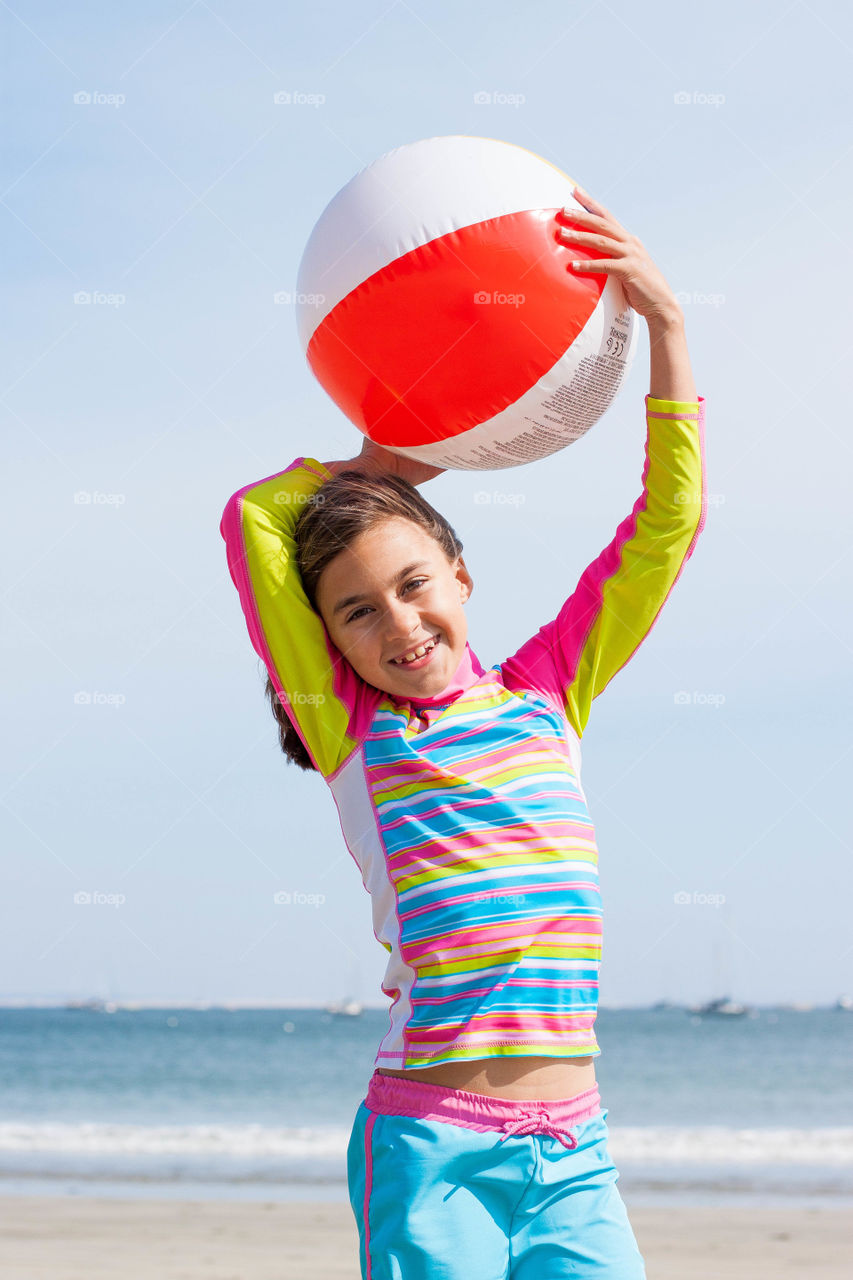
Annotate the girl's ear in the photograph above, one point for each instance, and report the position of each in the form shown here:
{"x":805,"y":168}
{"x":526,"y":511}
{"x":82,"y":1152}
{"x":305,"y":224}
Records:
{"x":464,"y":577}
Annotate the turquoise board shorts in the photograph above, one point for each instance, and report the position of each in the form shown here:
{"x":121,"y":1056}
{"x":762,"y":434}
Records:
{"x":451,"y":1185}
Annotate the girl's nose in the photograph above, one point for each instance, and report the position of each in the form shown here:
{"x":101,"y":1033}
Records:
{"x":403,"y":623}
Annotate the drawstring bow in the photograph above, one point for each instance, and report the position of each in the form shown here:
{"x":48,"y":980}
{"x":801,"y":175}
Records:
{"x":538,"y":1122}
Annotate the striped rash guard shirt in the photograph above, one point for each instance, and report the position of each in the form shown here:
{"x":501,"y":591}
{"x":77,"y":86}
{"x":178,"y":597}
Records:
{"x":464,"y":812}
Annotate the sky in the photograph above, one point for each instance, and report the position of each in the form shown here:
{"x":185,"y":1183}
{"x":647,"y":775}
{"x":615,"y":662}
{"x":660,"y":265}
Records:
{"x":148,"y":817}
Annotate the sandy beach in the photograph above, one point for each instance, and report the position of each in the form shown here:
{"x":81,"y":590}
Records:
{"x":84,"y":1238}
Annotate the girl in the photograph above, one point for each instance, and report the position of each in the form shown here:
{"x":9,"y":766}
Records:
{"x":480,"y":1149}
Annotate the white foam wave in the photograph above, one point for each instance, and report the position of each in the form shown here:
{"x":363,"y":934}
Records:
{"x":721,"y":1145}
{"x":200,"y":1139}
{"x":642,"y":1145}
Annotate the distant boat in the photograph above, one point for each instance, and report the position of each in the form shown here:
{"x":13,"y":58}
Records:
{"x":347,"y":1006}
{"x":844,"y":1003}
{"x":94,"y":1005}
{"x":722,"y":1005}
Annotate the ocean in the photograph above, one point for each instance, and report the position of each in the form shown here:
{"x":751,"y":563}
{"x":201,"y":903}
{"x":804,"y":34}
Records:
{"x":258,"y":1103}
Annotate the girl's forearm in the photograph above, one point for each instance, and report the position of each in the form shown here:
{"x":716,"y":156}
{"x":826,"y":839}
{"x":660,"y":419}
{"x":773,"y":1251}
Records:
{"x":670,"y":377}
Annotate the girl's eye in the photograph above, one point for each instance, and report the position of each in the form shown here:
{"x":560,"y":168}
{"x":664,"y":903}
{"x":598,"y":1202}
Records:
{"x":415,"y":582}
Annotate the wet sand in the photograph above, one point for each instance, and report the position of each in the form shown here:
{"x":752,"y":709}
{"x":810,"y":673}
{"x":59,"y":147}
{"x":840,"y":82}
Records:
{"x":86,"y":1238}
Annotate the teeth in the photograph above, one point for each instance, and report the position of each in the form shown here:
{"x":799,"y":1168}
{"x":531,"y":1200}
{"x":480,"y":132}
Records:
{"x":416,"y":653}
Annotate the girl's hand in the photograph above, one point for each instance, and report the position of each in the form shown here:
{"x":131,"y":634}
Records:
{"x":644,"y":286}
{"x":645,"y":290}
{"x":378,"y":461}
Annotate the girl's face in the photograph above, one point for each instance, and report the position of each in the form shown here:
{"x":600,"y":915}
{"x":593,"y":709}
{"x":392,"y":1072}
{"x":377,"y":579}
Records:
{"x":389,"y":592}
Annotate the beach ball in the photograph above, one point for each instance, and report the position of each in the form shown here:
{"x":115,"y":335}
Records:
{"x":436,"y":306}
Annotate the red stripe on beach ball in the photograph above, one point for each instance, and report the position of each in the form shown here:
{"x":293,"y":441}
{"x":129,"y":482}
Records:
{"x":416,"y":353}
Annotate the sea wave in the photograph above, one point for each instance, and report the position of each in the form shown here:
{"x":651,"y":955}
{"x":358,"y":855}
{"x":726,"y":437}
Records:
{"x":717,"y":1145}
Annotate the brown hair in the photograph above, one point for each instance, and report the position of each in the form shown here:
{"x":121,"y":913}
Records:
{"x":347,"y":505}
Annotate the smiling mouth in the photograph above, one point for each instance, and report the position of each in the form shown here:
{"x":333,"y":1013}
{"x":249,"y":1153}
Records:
{"x":419,"y":653}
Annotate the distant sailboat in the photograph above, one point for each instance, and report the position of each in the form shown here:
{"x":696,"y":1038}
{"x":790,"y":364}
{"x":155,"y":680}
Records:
{"x":95,"y":1005}
{"x":109,"y":1002}
{"x":722,"y":1006}
{"x":347,"y":1006}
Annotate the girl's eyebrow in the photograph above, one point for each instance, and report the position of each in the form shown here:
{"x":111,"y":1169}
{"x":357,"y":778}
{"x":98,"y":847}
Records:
{"x":404,"y":573}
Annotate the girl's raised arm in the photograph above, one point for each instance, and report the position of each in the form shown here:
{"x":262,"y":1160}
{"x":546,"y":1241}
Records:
{"x":619,"y":596}
{"x":326,"y":701}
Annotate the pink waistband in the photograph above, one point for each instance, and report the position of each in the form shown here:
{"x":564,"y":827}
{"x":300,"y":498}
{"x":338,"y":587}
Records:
{"x":394,"y":1096}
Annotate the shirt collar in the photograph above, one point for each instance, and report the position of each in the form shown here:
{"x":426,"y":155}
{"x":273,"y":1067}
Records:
{"x":467,"y":673}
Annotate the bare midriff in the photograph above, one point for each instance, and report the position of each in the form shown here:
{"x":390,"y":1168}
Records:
{"x":525,"y":1078}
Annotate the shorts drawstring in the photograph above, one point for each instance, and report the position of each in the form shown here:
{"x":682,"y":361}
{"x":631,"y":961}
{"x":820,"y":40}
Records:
{"x":416,"y":1099}
{"x":538,"y":1122}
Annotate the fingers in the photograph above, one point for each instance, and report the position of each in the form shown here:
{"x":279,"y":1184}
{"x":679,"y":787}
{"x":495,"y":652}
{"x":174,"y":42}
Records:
{"x":594,"y":206}
{"x":595,"y":264}
{"x":589,"y":240}
{"x":584,"y":198}
{"x":593,"y":232}
{"x":591,"y":210}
